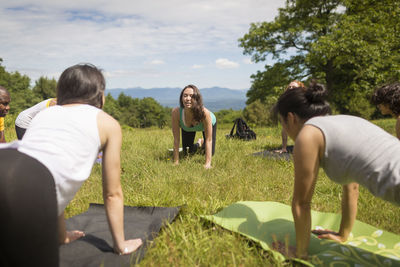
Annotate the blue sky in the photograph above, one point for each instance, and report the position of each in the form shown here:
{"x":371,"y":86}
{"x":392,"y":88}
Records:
{"x":146,"y":43}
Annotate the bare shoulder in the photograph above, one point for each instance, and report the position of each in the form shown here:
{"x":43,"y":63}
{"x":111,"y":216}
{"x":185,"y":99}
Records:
{"x":310,"y":137}
{"x":175,"y":111}
{"x":106,"y":120}
{"x":207,"y":114}
{"x":109,"y":127}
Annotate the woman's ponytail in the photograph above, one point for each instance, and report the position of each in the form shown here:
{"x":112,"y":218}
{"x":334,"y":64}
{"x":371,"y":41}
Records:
{"x":316,"y":93}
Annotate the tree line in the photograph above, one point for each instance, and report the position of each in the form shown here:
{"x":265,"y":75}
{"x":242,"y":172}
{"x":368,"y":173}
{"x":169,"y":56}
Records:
{"x":134,"y":112}
{"x":351,"y":46}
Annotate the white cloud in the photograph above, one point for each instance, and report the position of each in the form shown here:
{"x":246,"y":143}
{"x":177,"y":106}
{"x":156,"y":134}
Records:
{"x":223,"y":63}
{"x":248,"y":61}
{"x":157,"y":62}
{"x":195,"y":66}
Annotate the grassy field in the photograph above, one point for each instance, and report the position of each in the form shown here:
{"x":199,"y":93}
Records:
{"x":150,"y":179}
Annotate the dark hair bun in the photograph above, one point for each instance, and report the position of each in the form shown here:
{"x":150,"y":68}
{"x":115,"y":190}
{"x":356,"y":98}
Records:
{"x":316,"y":93}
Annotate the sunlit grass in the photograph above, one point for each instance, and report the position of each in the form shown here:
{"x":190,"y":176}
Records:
{"x":149,"y":179}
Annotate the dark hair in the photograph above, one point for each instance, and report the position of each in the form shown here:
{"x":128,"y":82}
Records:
{"x":388,"y":94}
{"x":304,"y":102}
{"x":81,"y":83}
{"x":197,"y":102}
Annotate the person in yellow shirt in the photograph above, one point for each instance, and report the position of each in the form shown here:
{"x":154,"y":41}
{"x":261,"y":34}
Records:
{"x":4,"y":108}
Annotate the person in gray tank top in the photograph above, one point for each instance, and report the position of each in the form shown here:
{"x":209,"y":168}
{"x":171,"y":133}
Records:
{"x":338,"y":145}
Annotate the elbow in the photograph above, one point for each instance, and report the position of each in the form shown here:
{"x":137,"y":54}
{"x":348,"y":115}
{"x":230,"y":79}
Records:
{"x":114,"y":196}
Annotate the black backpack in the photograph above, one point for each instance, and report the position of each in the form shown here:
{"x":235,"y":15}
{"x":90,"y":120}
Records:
{"x":242,"y":131}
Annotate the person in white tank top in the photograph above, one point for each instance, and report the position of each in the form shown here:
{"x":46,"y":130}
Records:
{"x":65,"y":140}
{"x":338,"y":145}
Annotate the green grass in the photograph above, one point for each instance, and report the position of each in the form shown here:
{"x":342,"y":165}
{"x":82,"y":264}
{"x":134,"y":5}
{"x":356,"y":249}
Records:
{"x":149,"y":179}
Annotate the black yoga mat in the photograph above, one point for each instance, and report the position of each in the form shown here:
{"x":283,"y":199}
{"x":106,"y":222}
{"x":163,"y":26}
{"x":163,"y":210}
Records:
{"x":95,"y":248}
{"x":270,"y":153}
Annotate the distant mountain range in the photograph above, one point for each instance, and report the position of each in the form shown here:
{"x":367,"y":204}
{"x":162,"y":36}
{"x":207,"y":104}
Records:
{"x":215,"y":98}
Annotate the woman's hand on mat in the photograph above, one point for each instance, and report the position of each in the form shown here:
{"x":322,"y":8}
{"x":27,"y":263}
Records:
{"x":128,"y":246}
{"x":328,"y":234}
{"x":71,"y":236}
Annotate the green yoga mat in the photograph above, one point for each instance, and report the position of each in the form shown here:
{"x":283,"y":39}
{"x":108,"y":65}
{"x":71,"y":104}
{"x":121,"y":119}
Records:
{"x":266,"y":222}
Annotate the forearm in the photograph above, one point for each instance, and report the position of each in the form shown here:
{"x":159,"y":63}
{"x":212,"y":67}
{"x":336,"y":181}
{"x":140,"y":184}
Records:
{"x":208,"y":151}
{"x":302,"y":223}
{"x":349,"y":209}
{"x":114,"y":206}
{"x":176,"y":152}
{"x":284,"y":139}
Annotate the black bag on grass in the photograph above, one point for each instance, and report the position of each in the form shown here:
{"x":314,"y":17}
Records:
{"x":242,"y":131}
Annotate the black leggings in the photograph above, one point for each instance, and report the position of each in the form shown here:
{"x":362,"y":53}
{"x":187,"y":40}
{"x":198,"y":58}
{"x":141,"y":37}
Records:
{"x":28,"y":210}
{"x":188,"y":140}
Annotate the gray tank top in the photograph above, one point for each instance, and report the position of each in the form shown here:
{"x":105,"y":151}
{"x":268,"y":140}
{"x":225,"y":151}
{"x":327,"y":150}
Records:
{"x":359,"y":151}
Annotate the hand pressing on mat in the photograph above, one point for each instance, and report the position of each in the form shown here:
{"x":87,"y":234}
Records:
{"x":128,"y":246}
{"x":280,"y":151}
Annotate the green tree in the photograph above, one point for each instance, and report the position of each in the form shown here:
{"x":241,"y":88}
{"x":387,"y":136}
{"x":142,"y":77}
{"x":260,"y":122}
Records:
{"x":257,"y":113}
{"x":351,"y":46}
{"x":45,"y":87}
{"x":18,"y":85}
{"x":111,"y":107}
{"x":151,"y":113}
{"x":228,"y":115}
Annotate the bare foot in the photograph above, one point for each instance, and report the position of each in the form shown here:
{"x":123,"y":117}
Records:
{"x":72,"y":236}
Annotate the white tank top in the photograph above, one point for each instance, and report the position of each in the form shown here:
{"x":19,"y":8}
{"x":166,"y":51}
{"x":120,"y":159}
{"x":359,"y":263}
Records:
{"x":66,"y":140}
{"x":25,"y":117}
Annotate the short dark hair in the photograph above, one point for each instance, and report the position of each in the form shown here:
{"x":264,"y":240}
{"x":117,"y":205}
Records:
{"x":197,"y":102}
{"x":388,"y":94}
{"x":304,"y":102}
{"x":81,"y":83}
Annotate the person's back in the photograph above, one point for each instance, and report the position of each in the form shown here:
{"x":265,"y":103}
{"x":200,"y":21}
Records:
{"x":359,"y":151}
{"x":67,"y":146}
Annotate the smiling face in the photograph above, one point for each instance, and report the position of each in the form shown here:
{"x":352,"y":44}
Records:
{"x":187,"y":97}
{"x":4,"y":104}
